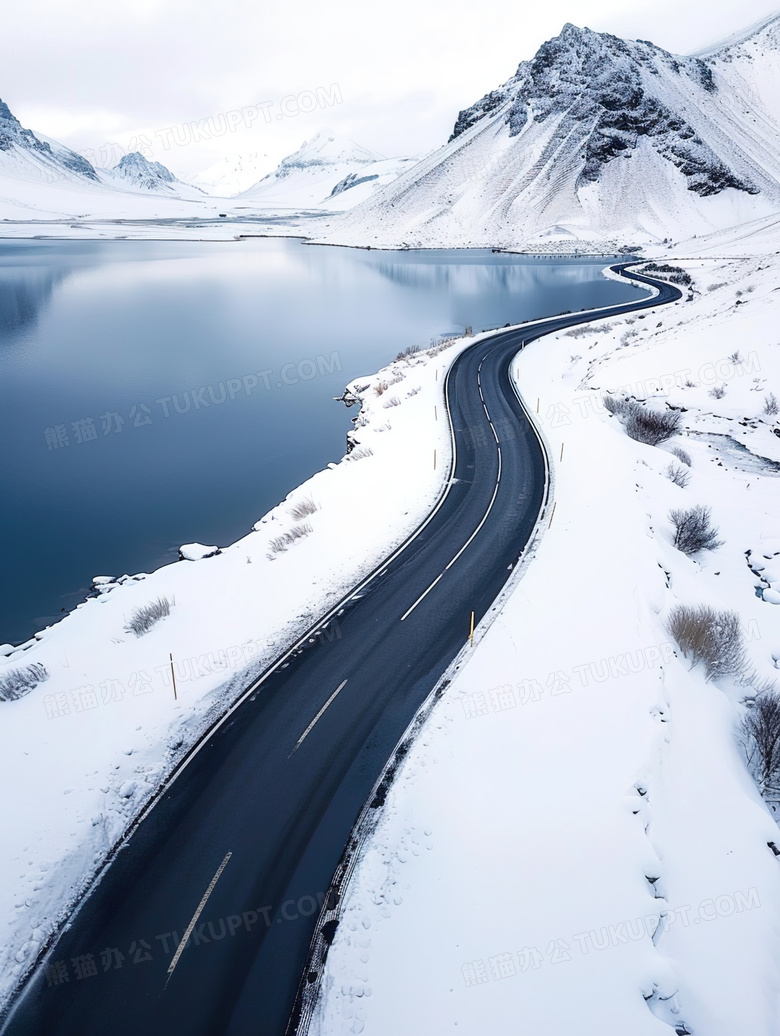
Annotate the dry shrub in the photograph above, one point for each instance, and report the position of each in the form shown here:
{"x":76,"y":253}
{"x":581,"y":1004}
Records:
{"x":678,"y":475}
{"x":279,"y":544}
{"x":15,"y":683}
{"x":693,"y":531}
{"x":652,"y":426}
{"x":360,"y":452}
{"x":761,"y":739}
{"x":714,"y":638}
{"x":682,"y":456}
{"x":142,"y":619}
{"x":303,"y":509}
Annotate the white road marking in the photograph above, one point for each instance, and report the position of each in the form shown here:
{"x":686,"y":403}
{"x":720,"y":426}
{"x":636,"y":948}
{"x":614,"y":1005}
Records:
{"x":195,"y":917}
{"x":423,"y":595}
{"x":310,"y":727}
{"x":465,"y":545}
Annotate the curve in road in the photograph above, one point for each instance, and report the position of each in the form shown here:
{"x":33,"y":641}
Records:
{"x":241,"y":845}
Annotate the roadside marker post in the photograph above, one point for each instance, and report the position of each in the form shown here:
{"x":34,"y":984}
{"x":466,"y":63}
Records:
{"x":537,"y":404}
{"x":471,"y":631}
{"x":562,"y":445}
{"x":434,"y":460}
{"x":173,"y":677}
{"x":552,"y":513}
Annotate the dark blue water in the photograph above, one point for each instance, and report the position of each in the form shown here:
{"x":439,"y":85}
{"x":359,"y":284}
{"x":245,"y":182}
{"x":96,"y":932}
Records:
{"x":155,"y":393}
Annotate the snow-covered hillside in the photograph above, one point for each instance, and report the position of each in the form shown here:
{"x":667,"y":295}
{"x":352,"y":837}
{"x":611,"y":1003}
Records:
{"x":322,"y":168}
{"x":41,"y":179}
{"x":573,"y":843}
{"x":27,"y":156}
{"x":134,"y":172}
{"x":596,"y":140}
{"x":233,"y":174}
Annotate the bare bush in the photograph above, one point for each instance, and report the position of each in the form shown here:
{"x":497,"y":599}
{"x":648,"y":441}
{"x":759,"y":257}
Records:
{"x":142,"y":619}
{"x":279,"y":544}
{"x":678,"y":475}
{"x":714,"y":638}
{"x":771,"y":406}
{"x":392,"y":401}
{"x":617,"y":405}
{"x":652,"y":426}
{"x":15,"y":683}
{"x":414,"y":391}
{"x":693,"y":531}
{"x":303,"y":509}
{"x":410,"y":350}
{"x":360,"y":452}
{"x":381,"y":387}
{"x":761,"y":739}
{"x":718,"y":392}
{"x":675,"y":274}
{"x":735,"y":357}
{"x":681,"y":455}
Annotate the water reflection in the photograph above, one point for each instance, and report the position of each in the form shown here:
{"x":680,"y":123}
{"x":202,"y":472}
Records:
{"x":103,"y":476}
{"x":23,"y":293}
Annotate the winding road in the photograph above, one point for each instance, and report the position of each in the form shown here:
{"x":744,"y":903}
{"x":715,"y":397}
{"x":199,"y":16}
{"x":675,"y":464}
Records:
{"x":240,"y":848}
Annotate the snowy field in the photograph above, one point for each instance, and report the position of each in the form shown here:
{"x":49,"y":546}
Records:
{"x":88,"y":746}
{"x":575,"y":837}
{"x":575,"y":844}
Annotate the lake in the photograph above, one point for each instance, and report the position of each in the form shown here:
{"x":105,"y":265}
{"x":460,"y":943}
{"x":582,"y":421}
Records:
{"x":158,"y":393}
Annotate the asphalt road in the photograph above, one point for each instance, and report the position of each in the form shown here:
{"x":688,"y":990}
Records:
{"x":267,"y":803}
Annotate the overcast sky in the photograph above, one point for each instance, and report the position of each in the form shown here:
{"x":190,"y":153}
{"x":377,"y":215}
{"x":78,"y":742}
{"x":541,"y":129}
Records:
{"x":391,"y":77}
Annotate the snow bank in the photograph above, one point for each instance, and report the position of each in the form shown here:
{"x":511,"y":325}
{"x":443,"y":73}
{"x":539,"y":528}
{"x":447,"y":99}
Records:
{"x":90,"y":744}
{"x":575,"y":844}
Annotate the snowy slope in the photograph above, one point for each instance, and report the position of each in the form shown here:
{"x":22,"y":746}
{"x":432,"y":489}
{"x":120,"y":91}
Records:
{"x":309,"y":175}
{"x":27,"y":156}
{"x":573,"y":844}
{"x":233,"y":174}
{"x":135,"y":172}
{"x":596,"y":140}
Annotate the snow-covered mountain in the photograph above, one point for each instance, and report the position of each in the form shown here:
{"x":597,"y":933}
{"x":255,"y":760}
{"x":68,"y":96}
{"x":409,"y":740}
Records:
{"x":308,"y":176}
{"x":599,"y":140}
{"x":27,"y":156}
{"x":135,"y":172}
{"x":233,"y":174}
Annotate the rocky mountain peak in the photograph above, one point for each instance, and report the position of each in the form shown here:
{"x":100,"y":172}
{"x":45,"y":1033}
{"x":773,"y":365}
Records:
{"x":610,"y":96}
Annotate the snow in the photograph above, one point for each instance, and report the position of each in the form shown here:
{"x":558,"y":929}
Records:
{"x":526,"y":167}
{"x":195,"y":552}
{"x":87,"y":748}
{"x":309,"y":176}
{"x":233,"y":174}
{"x":574,"y":841}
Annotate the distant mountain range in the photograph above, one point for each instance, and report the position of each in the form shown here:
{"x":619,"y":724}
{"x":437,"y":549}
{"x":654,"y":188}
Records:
{"x":596,"y":139}
{"x":596,"y":142}
{"x":321,"y":171}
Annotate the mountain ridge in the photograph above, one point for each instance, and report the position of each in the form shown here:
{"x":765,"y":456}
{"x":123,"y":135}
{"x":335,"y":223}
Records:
{"x":594,"y":138}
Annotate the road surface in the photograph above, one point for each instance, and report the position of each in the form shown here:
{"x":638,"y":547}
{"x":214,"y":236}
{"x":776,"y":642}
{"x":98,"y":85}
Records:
{"x":241,"y":847}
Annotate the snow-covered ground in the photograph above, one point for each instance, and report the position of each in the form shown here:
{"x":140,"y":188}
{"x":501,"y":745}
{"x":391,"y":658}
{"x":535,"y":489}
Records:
{"x":593,"y":144}
{"x":576,"y":783}
{"x":86,"y":748}
{"x":574,"y":844}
